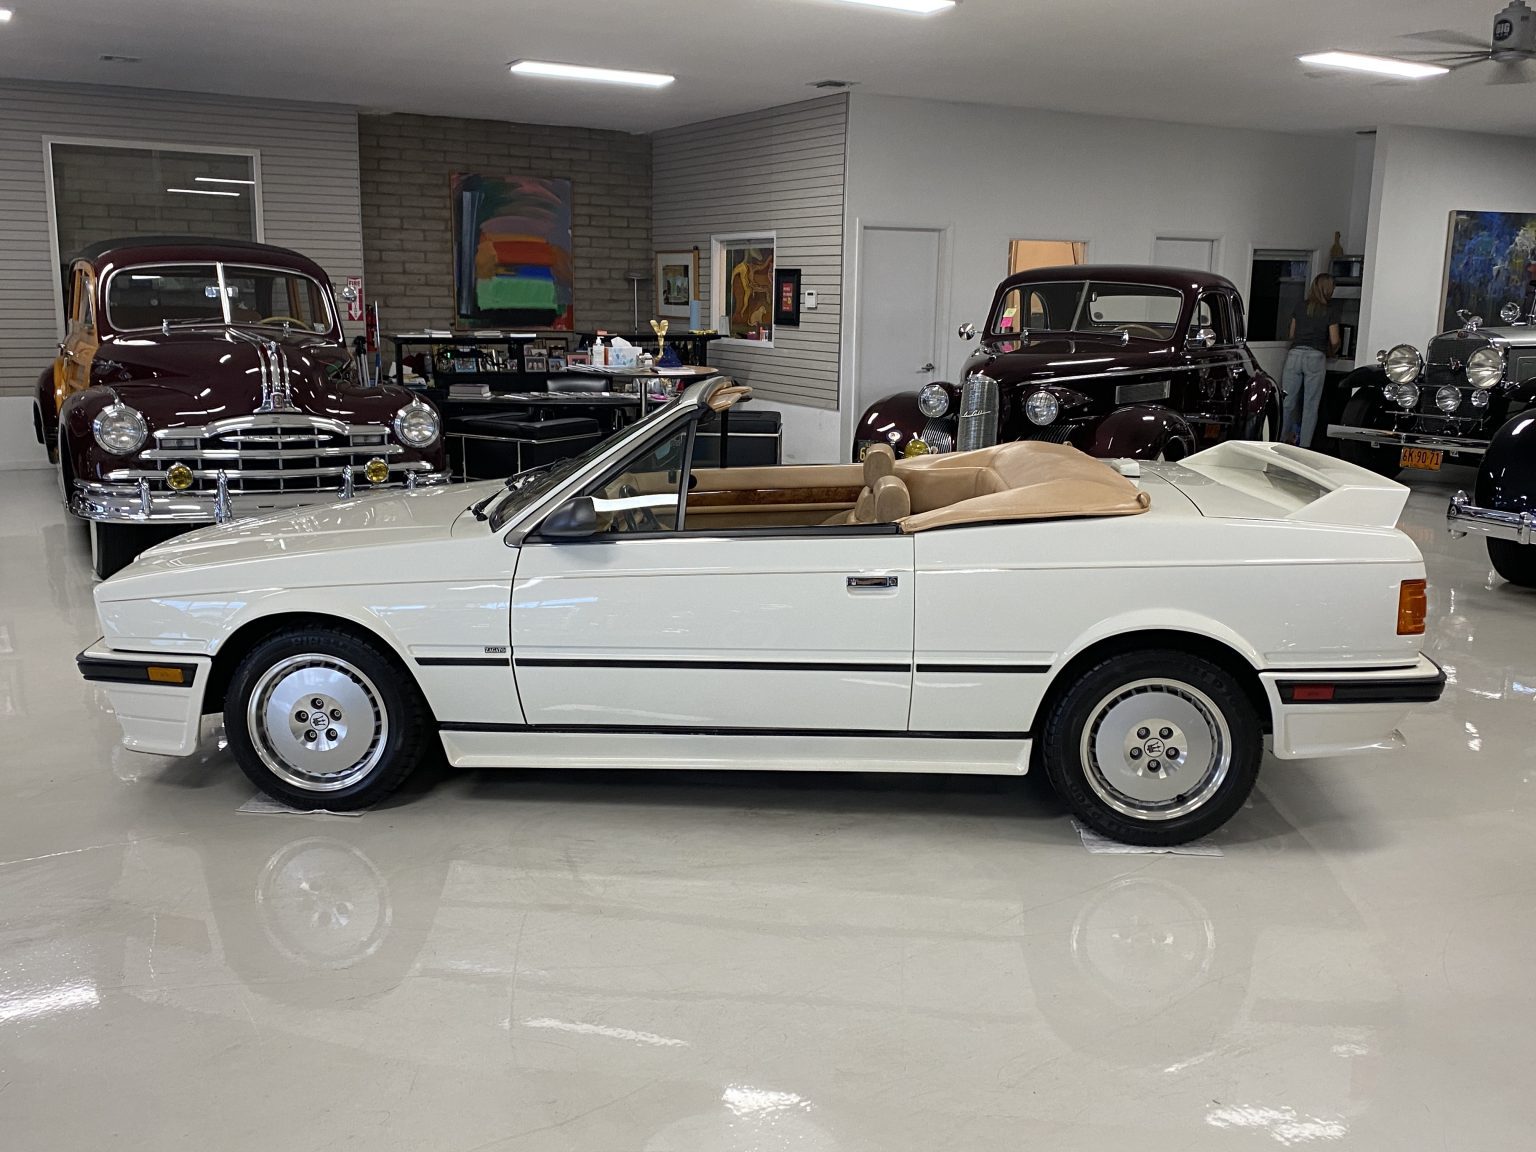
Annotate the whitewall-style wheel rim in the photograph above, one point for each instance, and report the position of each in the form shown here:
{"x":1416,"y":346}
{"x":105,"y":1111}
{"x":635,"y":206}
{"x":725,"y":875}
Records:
{"x":317,"y":722}
{"x":1156,"y":749}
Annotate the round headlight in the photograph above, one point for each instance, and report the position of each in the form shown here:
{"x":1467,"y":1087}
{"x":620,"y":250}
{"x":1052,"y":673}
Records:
{"x":1448,"y":399}
{"x":1479,"y":398}
{"x":1510,"y":313}
{"x":1041,"y":408}
{"x":933,"y":401}
{"x":1403,"y":364}
{"x":938,"y":440}
{"x":120,"y":429}
{"x":416,"y":424}
{"x":1485,"y":367}
{"x":1406,"y":395}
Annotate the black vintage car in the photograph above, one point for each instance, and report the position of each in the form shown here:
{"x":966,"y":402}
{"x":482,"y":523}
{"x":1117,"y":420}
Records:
{"x":1416,"y":411}
{"x":1116,"y":360}
{"x":1503,"y":506}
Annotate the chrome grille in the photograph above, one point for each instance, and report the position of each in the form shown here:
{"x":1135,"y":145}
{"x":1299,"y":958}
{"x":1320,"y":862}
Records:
{"x":978,"y":413}
{"x":1051,"y":433}
{"x":266,"y":453}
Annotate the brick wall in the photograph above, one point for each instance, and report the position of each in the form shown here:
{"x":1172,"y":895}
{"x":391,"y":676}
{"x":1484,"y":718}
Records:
{"x":406,"y":162}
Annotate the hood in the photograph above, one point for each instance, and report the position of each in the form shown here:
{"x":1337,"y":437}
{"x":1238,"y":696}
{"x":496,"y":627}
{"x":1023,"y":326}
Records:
{"x":1058,"y":357}
{"x":193,"y":375}
{"x":391,"y":538}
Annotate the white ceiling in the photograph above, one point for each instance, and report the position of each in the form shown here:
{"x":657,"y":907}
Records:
{"x":1219,"y":62}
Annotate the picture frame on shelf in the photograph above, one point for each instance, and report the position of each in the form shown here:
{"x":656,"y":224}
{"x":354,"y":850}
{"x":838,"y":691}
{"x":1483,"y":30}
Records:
{"x":677,"y":278}
{"x":786,"y":297}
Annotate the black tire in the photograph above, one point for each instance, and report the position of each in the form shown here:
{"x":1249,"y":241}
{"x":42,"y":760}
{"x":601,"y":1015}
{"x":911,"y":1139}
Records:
{"x":1515,"y":562}
{"x":378,"y":735}
{"x":1365,"y":410}
{"x":114,"y":546}
{"x":1192,"y":700}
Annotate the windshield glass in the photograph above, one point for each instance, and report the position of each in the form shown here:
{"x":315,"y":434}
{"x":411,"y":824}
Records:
{"x":1142,"y":311}
{"x":195,"y":294}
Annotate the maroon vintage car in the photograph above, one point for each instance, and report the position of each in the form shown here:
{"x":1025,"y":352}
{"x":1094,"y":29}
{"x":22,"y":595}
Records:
{"x":204,"y":380}
{"x":1115,"y":360}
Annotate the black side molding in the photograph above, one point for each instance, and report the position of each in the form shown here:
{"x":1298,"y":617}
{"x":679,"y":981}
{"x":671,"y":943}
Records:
{"x":160,"y":673}
{"x":1408,"y":690}
{"x":697,"y":730}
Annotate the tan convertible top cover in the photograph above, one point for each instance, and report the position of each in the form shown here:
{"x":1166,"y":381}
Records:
{"x":1025,"y":480}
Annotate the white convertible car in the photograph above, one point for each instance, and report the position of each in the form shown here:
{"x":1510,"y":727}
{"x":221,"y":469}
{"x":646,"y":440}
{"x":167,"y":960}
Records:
{"x":1135,"y":632}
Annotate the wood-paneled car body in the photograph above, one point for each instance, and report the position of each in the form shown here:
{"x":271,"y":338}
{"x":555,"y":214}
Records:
{"x":625,"y":607}
{"x":1116,"y":360}
{"x":204,"y":380}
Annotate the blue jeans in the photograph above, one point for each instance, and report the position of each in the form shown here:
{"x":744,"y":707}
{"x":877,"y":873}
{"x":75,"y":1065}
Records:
{"x":1302,"y":383}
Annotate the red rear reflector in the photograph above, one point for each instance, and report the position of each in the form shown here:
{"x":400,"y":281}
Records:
{"x":1412,"y":608}
{"x":166,"y":675}
{"x":1312,"y":692}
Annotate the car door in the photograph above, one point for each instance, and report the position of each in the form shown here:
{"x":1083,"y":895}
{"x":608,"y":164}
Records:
{"x":78,"y":347}
{"x":649,"y":625}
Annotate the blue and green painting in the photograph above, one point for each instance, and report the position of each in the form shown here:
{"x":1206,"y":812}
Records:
{"x":512,"y":251}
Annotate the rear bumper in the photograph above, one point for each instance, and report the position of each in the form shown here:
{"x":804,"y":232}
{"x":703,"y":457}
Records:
{"x":1459,"y":445}
{"x":158,"y":700}
{"x":1331,"y":712}
{"x":1463,"y":516}
{"x":130,"y":503}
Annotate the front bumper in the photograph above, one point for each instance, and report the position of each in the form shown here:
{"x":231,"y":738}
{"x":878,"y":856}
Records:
{"x":157,"y":698}
{"x":139,"y":503}
{"x":1458,"y":445}
{"x":1329,"y":713}
{"x":1463,"y":516}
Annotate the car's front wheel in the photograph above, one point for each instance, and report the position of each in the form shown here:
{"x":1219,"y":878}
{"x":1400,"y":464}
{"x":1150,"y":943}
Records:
{"x":1365,"y":410}
{"x":114,"y":546}
{"x":1515,"y":562}
{"x":1153,"y":748}
{"x":319,"y":718}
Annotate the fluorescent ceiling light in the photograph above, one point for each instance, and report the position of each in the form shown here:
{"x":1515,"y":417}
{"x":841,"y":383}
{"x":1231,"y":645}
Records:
{"x":219,"y":180}
{"x":5,"y":15}
{"x":917,"y":7}
{"x":201,"y":192}
{"x":1379,"y":65}
{"x":595,"y":75}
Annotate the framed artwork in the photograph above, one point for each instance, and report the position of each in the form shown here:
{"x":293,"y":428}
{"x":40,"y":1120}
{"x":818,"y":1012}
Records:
{"x":1490,"y":260}
{"x":744,"y":286}
{"x":512,"y":263}
{"x":786,"y":297}
{"x":677,"y":274}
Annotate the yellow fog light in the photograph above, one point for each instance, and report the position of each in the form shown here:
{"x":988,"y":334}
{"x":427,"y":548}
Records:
{"x":915,"y":448}
{"x":179,"y":477}
{"x":376,"y":471}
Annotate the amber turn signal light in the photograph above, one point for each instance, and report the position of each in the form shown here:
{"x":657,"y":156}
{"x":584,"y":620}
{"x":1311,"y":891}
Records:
{"x":1412,"y":607}
{"x":376,"y":471}
{"x":161,"y":675}
{"x":179,"y":477}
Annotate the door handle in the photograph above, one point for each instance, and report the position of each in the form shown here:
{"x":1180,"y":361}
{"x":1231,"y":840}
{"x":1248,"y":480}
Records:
{"x":926,"y":368}
{"x":862,"y":583}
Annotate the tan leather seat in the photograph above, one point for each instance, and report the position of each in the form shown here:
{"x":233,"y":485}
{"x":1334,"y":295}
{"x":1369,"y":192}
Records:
{"x":892,"y":501}
{"x":879,"y":460}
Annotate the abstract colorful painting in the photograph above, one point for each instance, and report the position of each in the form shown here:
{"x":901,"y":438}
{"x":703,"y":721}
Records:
{"x":749,"y":288}
{"x":512,"y":251}
{"x":1490,"y":259}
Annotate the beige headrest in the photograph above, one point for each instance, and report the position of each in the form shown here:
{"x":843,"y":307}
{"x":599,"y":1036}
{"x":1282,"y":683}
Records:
{"x":879,"y":460}
{"x":892,"y":501}
{"x":731,"y":393}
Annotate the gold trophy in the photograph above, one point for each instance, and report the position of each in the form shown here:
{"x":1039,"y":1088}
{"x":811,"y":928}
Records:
{"x":660,"y":328}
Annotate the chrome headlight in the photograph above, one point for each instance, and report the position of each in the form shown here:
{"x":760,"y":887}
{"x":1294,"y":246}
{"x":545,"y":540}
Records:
{"x":1479,"y":398}
{"x":1041,"y":408}
{"x":1448,"y":399}
{"x":1403,"y":364}
{"x":933,"y":401}
{"x":1510,"y":313}
{"x":120,"y":429}
{"x":1406,"y":395}
{"x":416,"y":424}
{"x":1485,"y":367}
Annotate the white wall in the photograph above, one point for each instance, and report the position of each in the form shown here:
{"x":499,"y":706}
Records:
{"x":988,"y":174}
{"x":1421,"y":176}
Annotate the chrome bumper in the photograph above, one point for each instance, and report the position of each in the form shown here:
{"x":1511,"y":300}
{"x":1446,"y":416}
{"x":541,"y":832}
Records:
{"x":1463,"y":516}
{"x":1462,"y":445}
{"x":137,"y":503}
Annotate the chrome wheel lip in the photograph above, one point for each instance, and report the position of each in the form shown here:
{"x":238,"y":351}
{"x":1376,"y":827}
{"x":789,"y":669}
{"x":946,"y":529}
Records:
{"x":1158,"y":690}
{"x":280,"y":748}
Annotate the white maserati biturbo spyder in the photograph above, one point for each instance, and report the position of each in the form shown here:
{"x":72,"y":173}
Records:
{"x":1138,"y":632}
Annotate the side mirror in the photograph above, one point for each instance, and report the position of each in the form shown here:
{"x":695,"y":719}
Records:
{"x":967,"y":331}
{"x":1202,"y":338}
{"x":348,"y":293}
{"x":573,"y":520}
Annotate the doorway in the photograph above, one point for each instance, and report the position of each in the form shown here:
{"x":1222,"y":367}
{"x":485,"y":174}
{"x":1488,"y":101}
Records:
{"x":898,"y":312}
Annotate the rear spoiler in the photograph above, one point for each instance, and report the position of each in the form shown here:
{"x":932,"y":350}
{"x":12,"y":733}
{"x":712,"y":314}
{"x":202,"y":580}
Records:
{"x":1306,"y":486}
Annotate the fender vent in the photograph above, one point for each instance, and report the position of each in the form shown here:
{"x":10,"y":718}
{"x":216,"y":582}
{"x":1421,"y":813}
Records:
{"x":1142,"y":393}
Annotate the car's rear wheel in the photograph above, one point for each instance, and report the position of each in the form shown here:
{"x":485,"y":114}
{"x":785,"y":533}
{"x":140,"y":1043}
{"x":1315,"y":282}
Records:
{"x":318,"y":718}
{"x":1365,"y":410}
{"x":1154,"y":748}
{"x":1515,"y":562}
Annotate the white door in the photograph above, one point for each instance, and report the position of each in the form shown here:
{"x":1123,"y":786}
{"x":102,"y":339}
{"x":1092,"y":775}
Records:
{"x":1181,"y":252}
{"x":898,"y":312}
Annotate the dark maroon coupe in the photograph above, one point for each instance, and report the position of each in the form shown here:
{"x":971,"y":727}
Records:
{"x":1115,"y":360}
{"x":204,"y":380}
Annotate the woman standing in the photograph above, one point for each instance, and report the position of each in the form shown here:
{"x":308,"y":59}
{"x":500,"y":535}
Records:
{"x":1314,"y":337}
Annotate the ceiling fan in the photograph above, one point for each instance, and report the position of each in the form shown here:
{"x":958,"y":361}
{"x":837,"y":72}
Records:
{"x":1510,"y":49}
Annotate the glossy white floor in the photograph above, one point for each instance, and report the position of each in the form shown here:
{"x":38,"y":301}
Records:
{"x":622,"y":962}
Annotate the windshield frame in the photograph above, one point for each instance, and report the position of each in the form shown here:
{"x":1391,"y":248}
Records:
{"x":1084,"y":285}
{"x":227,"y":321}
